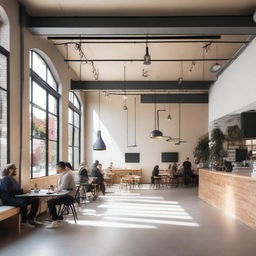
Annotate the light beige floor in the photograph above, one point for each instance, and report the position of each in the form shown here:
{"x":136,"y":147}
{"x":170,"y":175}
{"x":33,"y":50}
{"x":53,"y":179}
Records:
{"x":142,"y":222}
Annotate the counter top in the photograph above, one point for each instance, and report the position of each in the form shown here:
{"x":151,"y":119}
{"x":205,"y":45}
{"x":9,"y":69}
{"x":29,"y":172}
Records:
{"x":242,"y":174}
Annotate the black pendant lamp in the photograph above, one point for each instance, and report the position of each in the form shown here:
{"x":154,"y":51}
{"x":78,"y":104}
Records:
{"x":147,"y":57}
{"x":99,"y":143}
{"x":156,"y":134}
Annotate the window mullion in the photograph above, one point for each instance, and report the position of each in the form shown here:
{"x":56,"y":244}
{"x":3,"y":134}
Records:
{"x":47,"y":136}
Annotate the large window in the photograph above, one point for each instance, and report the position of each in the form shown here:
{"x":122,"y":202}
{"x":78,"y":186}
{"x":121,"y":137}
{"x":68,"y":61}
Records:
{"x":4,"y":68}
{"x":74,"y":131}
{"x":44,"y":109}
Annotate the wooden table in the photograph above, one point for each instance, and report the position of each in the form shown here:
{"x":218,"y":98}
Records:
{"x":130,"y":181}
{"x":119,"y":173}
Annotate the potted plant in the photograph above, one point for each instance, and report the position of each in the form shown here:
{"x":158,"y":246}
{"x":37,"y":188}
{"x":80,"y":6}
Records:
{"x":216,"y":147}
{"x":201,"y":151}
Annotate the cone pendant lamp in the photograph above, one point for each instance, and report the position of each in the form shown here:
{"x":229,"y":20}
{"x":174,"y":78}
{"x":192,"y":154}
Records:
{"x":99,"y":143}
{"x":156,"y":134}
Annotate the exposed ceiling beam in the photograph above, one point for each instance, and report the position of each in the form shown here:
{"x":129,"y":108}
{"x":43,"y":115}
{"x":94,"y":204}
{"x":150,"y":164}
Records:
{"x":141,"y":60}
{"x":142,"y":25}
{"x":149,"y":42}
{"x":139,"y":85}
{"x":174,"y":98}
{"x":125,"y":37}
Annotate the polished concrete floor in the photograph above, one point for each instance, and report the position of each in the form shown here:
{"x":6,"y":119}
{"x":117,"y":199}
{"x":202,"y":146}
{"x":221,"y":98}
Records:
{"x":142,"y":222}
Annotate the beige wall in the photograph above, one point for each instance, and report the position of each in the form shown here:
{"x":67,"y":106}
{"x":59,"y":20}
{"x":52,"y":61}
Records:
{"x":63,"y":75}
{"x":194,"y":123}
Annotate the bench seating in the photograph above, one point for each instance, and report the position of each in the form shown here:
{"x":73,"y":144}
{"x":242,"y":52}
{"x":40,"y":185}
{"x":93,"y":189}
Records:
{"x":9,"y":219}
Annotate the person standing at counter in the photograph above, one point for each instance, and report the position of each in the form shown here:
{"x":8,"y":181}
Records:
{"x":187,"y":171}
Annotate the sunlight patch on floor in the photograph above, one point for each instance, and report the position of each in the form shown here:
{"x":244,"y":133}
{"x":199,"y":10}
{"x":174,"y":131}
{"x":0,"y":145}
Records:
{"x":106,"y":224}
{"x":155,"y":221}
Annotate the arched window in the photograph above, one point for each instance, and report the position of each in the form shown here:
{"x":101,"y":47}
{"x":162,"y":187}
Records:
{"x":4,"y":88}
{"x":44,"y":109}
{"x":74,"y":130}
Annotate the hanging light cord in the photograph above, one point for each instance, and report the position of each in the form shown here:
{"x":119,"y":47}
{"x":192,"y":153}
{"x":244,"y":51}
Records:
{"x":127,"y":131}
{"x":155,"y":111}
{"x":135,"y":121}
{"x":99,"y":109}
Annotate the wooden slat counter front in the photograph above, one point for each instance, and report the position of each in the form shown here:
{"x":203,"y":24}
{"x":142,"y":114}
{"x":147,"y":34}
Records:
{"x":234,"y":193}
{"x":122,"y":172}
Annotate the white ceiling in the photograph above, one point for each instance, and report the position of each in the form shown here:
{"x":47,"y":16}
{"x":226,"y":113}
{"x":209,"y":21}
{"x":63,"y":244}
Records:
{"x":157,"y":70}
{"x":139,"y":7}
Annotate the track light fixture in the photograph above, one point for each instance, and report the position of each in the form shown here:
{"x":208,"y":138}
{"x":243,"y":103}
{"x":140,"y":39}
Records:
{"x":215,"y":67}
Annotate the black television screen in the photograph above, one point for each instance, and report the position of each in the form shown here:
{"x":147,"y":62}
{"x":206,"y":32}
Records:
{"x":248,"y":125}
{"x":170,"y":157}
{"x":132,"y":157}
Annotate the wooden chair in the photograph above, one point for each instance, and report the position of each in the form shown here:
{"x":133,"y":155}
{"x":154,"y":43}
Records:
{"x":156,"y":182}
{"x":173,"y":181}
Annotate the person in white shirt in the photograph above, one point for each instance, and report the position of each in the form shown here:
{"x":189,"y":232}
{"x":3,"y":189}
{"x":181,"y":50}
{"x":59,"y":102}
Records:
{"x":66,"y":182}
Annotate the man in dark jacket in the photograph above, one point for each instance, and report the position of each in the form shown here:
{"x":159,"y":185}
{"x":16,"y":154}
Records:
{"x":187,"y":171}
{"x":100,"y":179}
{"x":9,"y":187}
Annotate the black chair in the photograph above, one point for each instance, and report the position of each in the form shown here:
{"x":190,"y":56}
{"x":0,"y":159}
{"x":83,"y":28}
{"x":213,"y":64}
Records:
{"x":66,"y":208}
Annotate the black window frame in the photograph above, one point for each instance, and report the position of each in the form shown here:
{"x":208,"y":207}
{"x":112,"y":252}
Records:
{"x":34,"y":77}
{"x":74,"y":110}
{"x":6,"y":53}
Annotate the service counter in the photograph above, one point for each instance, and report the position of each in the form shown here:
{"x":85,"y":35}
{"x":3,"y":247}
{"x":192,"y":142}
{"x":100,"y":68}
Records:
{"x":233,"y":193}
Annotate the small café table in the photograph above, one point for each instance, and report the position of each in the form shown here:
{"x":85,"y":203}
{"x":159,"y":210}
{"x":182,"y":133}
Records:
{"x":44,"y":193}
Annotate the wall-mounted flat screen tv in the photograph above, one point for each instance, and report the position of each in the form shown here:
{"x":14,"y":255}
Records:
{"x":132,"y":157}
{"x":170,"y":157}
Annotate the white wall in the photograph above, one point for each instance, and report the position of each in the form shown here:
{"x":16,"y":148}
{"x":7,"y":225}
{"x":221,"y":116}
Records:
{"x":236,"y":87}
{"x":113,"y":125}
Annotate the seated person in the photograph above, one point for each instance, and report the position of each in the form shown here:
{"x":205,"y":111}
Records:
{"x":174,"y":171}
{"x":96,"y":173}
{"x":169,"y":170}
{"x":66,"y":182}
{"x":69,"y":167}
{"x":110,"y":166}
{"x":9,"y":187}
{"x":83,"y":173}
{"x":155,"y":173}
